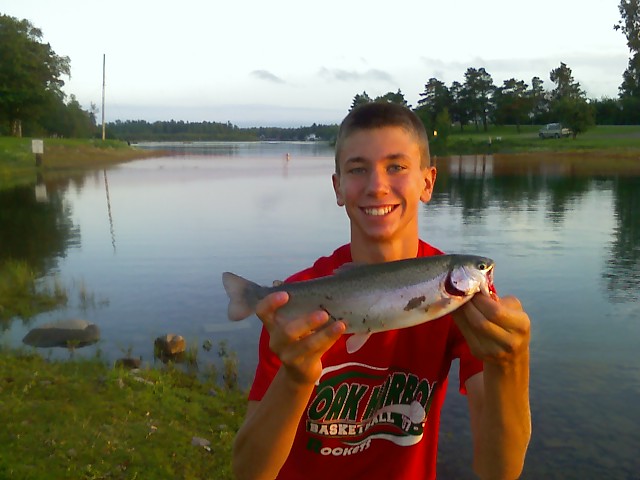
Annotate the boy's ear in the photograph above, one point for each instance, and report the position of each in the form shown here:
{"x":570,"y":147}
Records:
{"x":335,"y":178}
{"x":429,"y":175}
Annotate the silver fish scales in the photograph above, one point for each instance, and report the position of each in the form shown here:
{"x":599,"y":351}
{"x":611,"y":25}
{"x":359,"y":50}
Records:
{"x":377,"y":297}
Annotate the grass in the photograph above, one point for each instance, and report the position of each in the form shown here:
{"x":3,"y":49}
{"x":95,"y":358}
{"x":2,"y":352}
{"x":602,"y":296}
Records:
{"x":623,"y":139}
{"x":81,"y":419}
{"x":84,"y":420}
{"x":61,"y":156}
{"x":23,"y":295}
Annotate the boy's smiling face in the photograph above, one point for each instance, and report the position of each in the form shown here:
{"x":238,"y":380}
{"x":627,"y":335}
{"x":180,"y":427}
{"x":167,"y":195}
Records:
{"x":381,"y":184}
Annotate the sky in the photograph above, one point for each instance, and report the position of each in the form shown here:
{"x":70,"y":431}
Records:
{"x":291,"y":63}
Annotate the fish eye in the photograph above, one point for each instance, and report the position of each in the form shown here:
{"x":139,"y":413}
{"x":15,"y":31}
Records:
{"x":482,"y":266}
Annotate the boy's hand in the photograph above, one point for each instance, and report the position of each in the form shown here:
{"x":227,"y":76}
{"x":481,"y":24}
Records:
{"x":497,"y":330}
{"x":299,"y":343}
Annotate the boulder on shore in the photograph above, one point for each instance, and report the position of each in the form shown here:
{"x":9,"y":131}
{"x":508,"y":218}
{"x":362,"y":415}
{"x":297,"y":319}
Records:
{"x":71,"y":333}
{"x":169,"y":345}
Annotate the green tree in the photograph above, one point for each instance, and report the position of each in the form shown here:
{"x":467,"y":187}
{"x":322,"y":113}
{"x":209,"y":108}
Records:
{"x":566,"y":86}
{"x":568,"y":102}
{"x":391,"y":97}
{"x":575,"y":113}
{"x":629,"y":25}
{"x":461,"y":104}
{"x":512,"y":104}
{"x":30,"y":72}
{"x":435,"y":99}
{"x":443,"y":129}
{"x":539,"y":99}
{"x":607,"y":111}
{"x":479,"y":89}
{"x":360,"y":99}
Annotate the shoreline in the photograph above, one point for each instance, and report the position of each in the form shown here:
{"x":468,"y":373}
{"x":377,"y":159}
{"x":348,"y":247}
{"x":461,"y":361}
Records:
{"x":71,"y":156}
{"x":62,"y":157}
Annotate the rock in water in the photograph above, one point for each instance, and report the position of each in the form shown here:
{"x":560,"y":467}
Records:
{"x":65,"y":333}
{"x":169,"y":345}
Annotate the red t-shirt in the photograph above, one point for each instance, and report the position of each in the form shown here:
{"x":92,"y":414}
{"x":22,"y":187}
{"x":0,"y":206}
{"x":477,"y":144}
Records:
{"x":375,"y":413}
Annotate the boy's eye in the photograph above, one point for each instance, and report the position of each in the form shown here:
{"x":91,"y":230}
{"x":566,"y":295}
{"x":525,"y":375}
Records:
{"x":395,"y":168}
{"x":356,"y":170}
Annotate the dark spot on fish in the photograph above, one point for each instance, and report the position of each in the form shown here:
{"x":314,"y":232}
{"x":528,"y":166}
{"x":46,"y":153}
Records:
{"x":369,"y":330}
{"x":328,"y":297}
{"x":364,"y":320}
{"x":331,"y":317}
{"x":414,"y":303}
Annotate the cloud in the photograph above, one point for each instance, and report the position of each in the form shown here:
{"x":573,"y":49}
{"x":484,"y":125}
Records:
{"x":267,"y":76}
{"x":354,"y":76}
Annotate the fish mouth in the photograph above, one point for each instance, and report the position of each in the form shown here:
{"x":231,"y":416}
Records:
{"x":379,"y":211}
{"x":487,"y":287}
{"x":451,"y":289}
{"x":473,"y":281}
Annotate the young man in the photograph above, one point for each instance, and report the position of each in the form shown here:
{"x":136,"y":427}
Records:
{"x":316,"y":411}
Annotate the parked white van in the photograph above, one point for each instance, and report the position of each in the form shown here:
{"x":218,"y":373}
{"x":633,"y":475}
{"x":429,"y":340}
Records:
{"x":554,"y":130}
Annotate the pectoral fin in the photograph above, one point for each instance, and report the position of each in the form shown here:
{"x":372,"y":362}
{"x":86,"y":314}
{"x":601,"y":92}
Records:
{"x":356,"y":341}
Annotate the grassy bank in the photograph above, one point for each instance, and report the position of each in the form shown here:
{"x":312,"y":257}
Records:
{"x":22,"y":295}
{"x":83,"y":419}
{"x":620,"y":139}
{"x":71,"y":419}
{"x":61,"y":156}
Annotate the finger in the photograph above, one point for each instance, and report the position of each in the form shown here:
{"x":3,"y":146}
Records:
{"x":315,"y":344}
{"x":475,"y":319}
{"x":511,"y":302}
{"x":507,"y":312}
{"x":488,"y":337}
{"x":303,"y":326}
{"x":481,"y":346}
{"x":267,"y":307}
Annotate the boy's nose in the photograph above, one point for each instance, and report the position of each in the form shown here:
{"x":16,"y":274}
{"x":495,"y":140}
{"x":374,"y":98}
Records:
{"x":378,"y":183}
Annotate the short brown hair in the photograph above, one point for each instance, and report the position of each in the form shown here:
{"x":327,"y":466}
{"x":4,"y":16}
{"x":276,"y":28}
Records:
{"x":373,"y":115}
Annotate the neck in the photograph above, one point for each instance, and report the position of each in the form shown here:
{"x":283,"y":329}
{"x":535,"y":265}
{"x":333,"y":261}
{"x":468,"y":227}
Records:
{"x":380,"y":252}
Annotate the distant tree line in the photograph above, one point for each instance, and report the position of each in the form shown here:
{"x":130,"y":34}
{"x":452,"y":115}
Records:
{"x":140,"y":130}
{"x":478,"y":101}
{"x":32,"y":101}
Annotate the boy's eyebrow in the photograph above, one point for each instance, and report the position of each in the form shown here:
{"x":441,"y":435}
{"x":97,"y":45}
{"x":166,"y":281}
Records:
{"x":355,"y":160}
{"x":391,"y":156}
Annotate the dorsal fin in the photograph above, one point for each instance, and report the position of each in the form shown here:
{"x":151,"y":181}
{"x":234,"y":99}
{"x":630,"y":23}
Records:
{"x":347,"y":267}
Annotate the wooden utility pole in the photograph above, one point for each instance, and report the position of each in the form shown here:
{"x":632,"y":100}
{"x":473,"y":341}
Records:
{"x":103,"y":84}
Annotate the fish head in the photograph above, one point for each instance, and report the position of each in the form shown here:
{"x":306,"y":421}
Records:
{"x":473,"y":275}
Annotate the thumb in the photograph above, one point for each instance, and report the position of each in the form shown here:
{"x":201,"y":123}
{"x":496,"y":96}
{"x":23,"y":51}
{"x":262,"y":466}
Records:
{"x":511,"y":302}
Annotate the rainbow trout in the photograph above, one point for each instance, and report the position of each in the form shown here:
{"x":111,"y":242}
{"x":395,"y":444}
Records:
{"x":374,"y":298}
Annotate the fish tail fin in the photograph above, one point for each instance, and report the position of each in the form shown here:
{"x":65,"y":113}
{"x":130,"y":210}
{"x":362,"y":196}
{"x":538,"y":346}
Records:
{"x":243,"y":296}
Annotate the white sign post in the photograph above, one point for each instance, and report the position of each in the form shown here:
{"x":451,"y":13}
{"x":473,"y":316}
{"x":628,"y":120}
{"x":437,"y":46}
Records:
{"x":37,"y":147}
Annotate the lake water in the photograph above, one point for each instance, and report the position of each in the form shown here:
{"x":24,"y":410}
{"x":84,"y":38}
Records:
{"x":146,"y":242}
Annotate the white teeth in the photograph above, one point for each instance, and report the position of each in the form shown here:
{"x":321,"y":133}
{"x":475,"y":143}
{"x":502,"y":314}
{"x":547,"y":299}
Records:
{"x":378,"y":211}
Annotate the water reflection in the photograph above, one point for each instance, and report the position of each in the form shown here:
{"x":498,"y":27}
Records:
{"x":111,"y":229}
{"x":567,"y":244}
{"x":622,"y":265}
{"x":35,"y":231}
{"x":479,"y":182}
{"x":242,"y":149}
{"x":482,"y":184}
